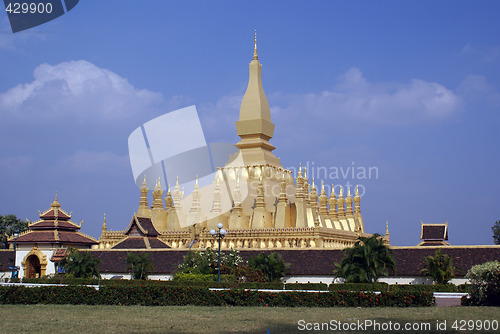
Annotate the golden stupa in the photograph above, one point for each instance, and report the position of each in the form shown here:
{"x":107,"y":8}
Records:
{"x":258,"y":202}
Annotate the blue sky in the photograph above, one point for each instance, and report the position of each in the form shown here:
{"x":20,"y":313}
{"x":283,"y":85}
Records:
{"x":411,"y":88}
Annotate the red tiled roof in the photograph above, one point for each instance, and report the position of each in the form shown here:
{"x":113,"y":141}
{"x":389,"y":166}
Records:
{"x":434,"y":232}
{"x":50,"y":214}
{"x":144,"y":226}
{"x":140,"y":243}
{"x":147,"y":225}
{"x":50,"y":224}
{"x":63,"y":237}
{"x":131,"y":243}
{"x":59,"y":254}
{"x":113,"y":261}
{"x":409,"y":260}
{"x":156,"y":243}
{"x":37,"y":236}
{"x":76,"y":238}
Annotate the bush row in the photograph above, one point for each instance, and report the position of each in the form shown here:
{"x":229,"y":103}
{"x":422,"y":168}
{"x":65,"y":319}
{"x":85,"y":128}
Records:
{"x":185,"y":281}
{"x":150,"y":295}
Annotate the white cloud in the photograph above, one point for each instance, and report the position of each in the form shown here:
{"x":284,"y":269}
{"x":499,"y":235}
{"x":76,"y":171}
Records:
{"x":477,"y":88}
{"x":77,"y":90}
{"x":84,"y":161}
{"x":355,"y":98}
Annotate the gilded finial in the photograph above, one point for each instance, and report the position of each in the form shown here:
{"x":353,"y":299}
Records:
{"x":56,"y":204}
{"x":255,"y":57}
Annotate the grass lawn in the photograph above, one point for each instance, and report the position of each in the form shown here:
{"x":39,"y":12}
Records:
{"x":191,"y":319}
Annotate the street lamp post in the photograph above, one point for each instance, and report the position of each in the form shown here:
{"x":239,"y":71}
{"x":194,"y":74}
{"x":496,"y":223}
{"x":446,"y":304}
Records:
{"x":219,"y":234}
{"x":14,"y":268}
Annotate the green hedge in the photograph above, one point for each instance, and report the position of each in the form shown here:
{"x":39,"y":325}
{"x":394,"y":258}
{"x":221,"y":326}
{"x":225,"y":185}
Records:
{"x":430,"y":288}
{"x":379,"y":286}
{"x":174,"y":283}
{"x":306,"y":286}
{"x":149,"y":295}
{"x":185,"y":282}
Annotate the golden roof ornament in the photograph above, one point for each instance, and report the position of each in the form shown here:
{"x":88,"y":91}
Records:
{"x":255,"y":57}
{"x":55,"y":204}
{"x":104,"y":226}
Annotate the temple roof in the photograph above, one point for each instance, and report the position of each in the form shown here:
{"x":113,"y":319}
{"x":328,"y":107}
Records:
{"x":59,"y":254}
{"x":55,"y":212}
{"x":141,"y":243}
{"x":55,"y":227}
{"x":55,"y":236}
{"x":54,"y":224}
{"x":434,"y":234}
{"x":141,"y":226}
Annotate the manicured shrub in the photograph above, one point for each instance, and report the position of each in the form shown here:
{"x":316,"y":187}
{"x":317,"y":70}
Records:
{"x":306,"y":286}
{"x":424,"y":287}
{"x":485,"y":284}
{"x":378,"y":286}
{"x":155,"y":295}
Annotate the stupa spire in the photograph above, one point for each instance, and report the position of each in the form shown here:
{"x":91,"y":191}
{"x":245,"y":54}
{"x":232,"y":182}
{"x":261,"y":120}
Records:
{"x":254,"y":125}
{"x":104,"y":226}
{"x":255,"y":57}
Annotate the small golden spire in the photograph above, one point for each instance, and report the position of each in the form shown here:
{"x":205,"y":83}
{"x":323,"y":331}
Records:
{"x":255,"y":57}
{"x":56,"y":204}
{"x":104,"y":226}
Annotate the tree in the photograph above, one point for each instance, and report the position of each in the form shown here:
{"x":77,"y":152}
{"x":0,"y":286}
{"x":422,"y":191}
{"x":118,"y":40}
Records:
{"x":272,"y":266}
{"x":80,"y":264}
{"x":8,"y":225}
{"x":366,"y":261}
{"x":206,"y":262}
{"x":139,"y":265}
{"x":439,"y":267}
{"x":496,"y":233}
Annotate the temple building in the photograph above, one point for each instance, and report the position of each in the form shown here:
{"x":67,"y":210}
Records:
{"x":47,"y":241}
{"x":261,"y":204}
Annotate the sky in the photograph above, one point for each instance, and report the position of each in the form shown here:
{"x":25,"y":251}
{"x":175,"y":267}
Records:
{"x":407,"y":89}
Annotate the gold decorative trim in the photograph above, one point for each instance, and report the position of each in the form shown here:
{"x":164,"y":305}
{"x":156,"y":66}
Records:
{"x":41,"y":257}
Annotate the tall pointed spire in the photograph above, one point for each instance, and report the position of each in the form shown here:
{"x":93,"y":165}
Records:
{"x":104,"y":226}
{"x":357,"y":199}
{"x":254,"y":125}
{"x":332,"y":203}
{"x":157,"y":193}
{"x":143,"y":210}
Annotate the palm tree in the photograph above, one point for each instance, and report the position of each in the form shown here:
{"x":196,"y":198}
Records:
{"x":439,"y":267}
{"x":80,"y":264}
{"x":139,"y":265}
{"x":272,"y":266}
{"x":366,"y":261}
